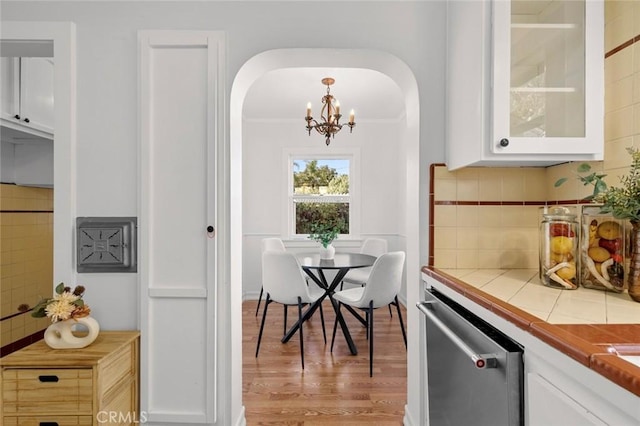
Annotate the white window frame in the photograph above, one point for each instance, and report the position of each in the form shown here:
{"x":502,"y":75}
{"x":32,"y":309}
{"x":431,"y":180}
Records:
{"x":351,"y":154}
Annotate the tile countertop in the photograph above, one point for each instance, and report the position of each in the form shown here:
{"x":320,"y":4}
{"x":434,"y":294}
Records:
{"x":591,"y":326}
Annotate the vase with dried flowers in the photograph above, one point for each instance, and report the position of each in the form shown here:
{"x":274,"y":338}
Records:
{"x":622,"y":203}
{"x":67,"y":312}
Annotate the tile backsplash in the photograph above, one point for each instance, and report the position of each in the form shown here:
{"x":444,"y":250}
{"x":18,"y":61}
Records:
{"x":480,"y":219}
{"x":26,"y":258}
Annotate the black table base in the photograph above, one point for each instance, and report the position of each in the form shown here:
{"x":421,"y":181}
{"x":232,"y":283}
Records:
{"x":321,"y":280}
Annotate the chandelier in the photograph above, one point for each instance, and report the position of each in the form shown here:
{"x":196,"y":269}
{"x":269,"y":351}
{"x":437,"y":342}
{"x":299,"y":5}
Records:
{"x":330,"y":114}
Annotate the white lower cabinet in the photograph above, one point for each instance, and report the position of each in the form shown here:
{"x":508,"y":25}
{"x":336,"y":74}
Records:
{"x":548,"y":405}
{"x":560,"y":391}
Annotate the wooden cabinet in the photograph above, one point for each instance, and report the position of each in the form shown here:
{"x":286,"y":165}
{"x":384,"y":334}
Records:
{"x":525,"y":82}
{"x":27,"y":102}
{"x":89,"y":386}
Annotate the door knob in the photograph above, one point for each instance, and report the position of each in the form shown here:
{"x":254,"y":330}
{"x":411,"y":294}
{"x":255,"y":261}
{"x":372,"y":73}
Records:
{"x":210,"y":229}
{"x":504,"y":142}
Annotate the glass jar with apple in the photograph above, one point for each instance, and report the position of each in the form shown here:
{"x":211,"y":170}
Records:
{"x":602,"y":250}
{"x":559,"y":244}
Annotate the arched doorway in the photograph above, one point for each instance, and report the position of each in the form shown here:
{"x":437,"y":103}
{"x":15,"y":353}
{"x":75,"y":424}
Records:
{"x":251,"y":71}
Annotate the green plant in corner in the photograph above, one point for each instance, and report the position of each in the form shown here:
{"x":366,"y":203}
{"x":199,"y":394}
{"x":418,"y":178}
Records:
{"x":325,"y":233}
{"x":622,"y":203}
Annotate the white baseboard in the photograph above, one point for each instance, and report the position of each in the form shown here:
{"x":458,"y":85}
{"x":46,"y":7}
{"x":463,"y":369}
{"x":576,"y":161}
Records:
{"x":241,"y":420}
{"x":407,"y":420}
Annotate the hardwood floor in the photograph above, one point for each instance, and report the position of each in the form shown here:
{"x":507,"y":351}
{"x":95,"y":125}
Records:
{"x":334,"y":388}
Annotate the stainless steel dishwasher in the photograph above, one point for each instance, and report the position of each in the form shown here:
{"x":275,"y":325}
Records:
{"x":475,"y":372}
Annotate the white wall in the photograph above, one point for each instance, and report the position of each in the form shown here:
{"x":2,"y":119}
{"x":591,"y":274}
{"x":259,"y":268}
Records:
{"x":107,"y":107}
{"x":381,"y":166}
{"x":27,"y":164}
{"x":7,"y":169}
{"x":34,"y":164}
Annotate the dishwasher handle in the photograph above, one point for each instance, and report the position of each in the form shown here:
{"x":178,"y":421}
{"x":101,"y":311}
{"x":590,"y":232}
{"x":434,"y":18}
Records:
{"x":479,"y":360}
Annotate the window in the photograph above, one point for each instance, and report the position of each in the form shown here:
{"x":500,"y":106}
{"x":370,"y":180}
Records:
{"x":321,"y":190}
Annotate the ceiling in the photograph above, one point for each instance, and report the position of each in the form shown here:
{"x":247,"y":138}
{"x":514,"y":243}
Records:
{"x":283,"y":94}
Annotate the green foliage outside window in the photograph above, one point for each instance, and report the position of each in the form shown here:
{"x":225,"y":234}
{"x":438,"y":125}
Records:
{"x":313,"y":176}
{"x":309,"y":214}
{"x":339,"y":185}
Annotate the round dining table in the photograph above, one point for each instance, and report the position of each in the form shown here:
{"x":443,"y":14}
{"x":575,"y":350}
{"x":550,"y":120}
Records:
{"x":316,"y":269}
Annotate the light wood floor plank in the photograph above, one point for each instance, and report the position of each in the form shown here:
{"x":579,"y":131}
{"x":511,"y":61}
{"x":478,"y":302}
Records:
{"x":334,"y":388}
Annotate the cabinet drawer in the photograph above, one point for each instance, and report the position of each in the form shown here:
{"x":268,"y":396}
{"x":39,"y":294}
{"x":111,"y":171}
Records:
{"x":119,"y":367}
{"x":121,"y":399}
{"x":48,"y":421}
{"x":51,"y":391}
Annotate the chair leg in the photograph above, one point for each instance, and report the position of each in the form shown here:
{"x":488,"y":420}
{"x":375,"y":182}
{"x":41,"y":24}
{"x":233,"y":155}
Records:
{"x":370,"y":323}
{"x":366,"y":319}
{"x":324,"y":332}
{"x":404,"y":333}
{"x":300,"y":329}
{"x":264,"y":315}
{"x":390,"y":312}
{"x":335,"y":326}
{"x":259,"y":300}
{"x":285,"y":319}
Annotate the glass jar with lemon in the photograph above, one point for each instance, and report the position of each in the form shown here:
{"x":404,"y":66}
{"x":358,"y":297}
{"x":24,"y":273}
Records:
{"x":559,"y":244}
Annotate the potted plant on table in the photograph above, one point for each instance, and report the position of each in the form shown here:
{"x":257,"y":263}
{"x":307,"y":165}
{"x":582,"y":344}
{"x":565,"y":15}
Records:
{"x":325,"y":233}
{"x":622,"y":203}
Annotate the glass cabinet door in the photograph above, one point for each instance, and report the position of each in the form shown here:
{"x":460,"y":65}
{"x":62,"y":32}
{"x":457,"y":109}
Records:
{"x":541,"y":77}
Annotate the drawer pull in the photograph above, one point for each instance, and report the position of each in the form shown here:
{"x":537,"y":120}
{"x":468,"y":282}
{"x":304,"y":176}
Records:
{"x":48,"y":379}
{"x":48,"y":423}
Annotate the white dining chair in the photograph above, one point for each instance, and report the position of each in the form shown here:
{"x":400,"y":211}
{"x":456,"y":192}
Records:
{"x":373,"y":247}
{"x":359,"y":276}
{"x":381,"y":289}
{"x":284,"y":282}
{"x":270,"y":244}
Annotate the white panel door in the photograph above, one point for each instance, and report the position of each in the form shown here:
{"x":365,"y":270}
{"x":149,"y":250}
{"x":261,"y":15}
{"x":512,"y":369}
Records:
{"x":181,"y":110}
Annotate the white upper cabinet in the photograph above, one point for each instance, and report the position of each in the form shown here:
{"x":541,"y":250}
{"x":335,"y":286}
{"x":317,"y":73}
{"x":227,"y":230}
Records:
{"x":524,"y":82}
{"x":27,"y":95}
